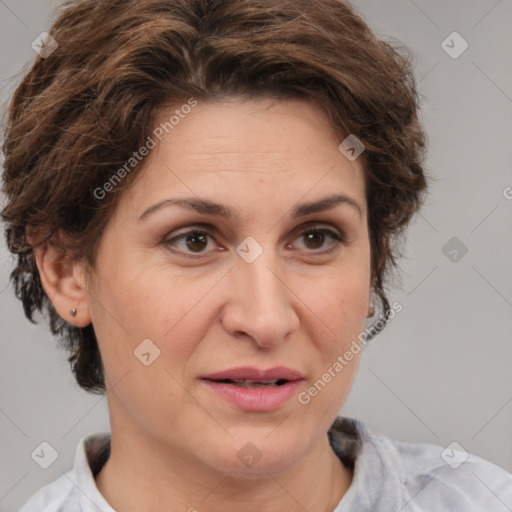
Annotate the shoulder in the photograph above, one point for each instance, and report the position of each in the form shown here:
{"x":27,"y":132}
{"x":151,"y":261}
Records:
{"x":418,"y":477}
{"x":433,"y":476}
{"x":451,"y":477}
{"x":76,"y":491}
{"x":58,"y":496}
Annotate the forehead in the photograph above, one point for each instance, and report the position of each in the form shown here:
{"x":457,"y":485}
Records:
{"x":239,"y":150}
{"x":280,"y":129}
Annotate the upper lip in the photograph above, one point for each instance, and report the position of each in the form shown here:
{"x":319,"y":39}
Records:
{"x":256,"y":374}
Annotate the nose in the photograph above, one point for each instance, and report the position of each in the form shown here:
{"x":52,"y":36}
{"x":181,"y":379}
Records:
{"x":260,"y":304}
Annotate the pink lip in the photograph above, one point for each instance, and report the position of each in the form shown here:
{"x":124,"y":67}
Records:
{"x":257,"y":399}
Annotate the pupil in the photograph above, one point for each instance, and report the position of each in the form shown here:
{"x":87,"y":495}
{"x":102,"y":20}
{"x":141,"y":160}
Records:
{"x":311,"y":237}
{"x":197,"y":236}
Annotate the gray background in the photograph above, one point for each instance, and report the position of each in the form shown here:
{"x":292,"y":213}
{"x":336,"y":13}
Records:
{"x":440,"y":372}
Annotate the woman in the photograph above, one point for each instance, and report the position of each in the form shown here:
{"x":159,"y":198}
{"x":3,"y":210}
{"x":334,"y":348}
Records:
{"x":208,"y":223}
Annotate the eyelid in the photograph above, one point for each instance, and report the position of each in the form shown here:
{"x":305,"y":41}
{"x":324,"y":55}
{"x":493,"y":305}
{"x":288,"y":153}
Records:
{"x":319,"y":225}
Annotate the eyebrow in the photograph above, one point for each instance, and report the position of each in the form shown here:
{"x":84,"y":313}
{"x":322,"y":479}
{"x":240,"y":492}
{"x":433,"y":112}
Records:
{"x":208,"y":207}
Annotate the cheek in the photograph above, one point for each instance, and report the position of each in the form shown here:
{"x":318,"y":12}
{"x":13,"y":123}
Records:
{"x":341,"y":302}
{"x":336,"y":320}
{"x":146,"y":337}
{"x":156,"y":304}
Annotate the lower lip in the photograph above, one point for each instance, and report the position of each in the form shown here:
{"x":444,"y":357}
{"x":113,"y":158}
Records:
{"x":255,"y":399}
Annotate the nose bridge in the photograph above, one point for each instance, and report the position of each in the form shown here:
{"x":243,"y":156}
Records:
{"x":264,"y":289}
{"x":260,"y":304}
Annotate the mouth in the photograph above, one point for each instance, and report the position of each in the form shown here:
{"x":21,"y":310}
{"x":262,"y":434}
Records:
{"x":251,"y":384}
{"x":253,"y":389}
{"x":248,"y":376}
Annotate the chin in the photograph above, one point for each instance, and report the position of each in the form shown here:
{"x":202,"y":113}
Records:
{"x":253,"y":459}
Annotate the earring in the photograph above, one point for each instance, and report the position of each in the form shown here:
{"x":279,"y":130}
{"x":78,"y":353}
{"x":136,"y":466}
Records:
{"x":73,"y":312}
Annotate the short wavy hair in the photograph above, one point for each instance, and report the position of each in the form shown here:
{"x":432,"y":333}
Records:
{"x":80,"y":113}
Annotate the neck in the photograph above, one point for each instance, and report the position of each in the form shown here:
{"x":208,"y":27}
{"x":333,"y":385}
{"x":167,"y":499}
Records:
{"x":167,"y":479}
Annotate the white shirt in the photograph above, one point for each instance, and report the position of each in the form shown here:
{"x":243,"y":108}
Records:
{"x":389,"y":476}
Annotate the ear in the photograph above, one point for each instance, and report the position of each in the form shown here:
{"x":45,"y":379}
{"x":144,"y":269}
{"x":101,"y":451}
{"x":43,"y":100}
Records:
{"x":64,"y":281}
{"x":371,"y":307}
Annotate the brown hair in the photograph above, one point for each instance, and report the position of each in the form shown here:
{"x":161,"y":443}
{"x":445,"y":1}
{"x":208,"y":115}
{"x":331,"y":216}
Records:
{"x":80,"y":113}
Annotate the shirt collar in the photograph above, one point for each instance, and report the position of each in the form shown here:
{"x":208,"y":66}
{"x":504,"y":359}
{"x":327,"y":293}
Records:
{"x":91,"y":454}
{"x":377,"y":480}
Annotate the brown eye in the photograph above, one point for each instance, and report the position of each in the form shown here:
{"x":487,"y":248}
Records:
{"x":190,"y":242}
{"x":314,"y":238}
{"x":196,"y":242}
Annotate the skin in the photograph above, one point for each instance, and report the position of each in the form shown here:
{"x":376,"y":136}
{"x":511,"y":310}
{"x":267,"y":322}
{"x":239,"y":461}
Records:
{"x":174,"y":442}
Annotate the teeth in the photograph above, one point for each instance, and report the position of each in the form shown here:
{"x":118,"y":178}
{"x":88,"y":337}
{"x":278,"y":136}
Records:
{"x":250,"y":384}
{"x":241,"y":381}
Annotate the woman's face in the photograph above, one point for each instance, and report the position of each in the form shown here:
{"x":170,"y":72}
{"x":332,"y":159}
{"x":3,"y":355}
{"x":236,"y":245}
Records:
{"x":254,"y":289}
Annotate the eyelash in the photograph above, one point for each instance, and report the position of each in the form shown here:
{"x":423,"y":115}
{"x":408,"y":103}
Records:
{"x":337,"y":239}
